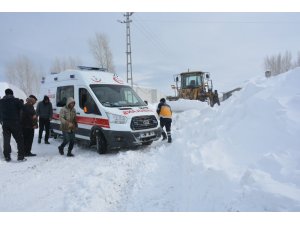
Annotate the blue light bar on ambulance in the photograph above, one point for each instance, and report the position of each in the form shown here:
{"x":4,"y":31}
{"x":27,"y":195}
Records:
{"x":92,"y":68}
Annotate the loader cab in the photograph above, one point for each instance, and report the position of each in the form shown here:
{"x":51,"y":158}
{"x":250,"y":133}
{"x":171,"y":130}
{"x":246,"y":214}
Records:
{"x":196,"y":85}
{"x":191,"y":80}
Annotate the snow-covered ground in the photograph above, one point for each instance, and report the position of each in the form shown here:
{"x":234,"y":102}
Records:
{"x":243,"y":156}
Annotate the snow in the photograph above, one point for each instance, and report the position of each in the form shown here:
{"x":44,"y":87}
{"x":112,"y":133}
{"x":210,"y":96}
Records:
{"x":242,"y":156}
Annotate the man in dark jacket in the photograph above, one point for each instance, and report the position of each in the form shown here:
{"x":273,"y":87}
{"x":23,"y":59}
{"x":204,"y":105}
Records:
{"x":165,"y":116}
{"x":29,"y":123}
{"x":0,"y":113}
{"x":44,"y":112}
{"x":11,"y":125}
{"x":0,"y":123}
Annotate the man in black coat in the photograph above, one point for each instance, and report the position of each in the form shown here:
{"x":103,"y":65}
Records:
{"x":29,"y":123}
{"x":0,"y":123}
{"x":0,"y":113}
{"x":44,"y":112}
{"x":11,"y":124}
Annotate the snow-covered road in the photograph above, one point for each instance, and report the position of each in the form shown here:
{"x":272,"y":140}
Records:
{"x":87,"y":182}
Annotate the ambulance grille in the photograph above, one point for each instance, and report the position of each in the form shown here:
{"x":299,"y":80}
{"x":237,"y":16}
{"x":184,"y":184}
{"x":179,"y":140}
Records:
{"x":143,"y":122}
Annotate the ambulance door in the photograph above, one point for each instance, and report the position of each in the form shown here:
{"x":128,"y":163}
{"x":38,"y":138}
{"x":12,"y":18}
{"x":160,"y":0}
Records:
{"x":87,"y":113}
{"x":62,"y":94}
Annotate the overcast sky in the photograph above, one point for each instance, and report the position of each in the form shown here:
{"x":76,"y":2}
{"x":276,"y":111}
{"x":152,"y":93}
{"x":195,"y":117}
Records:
{"x":231,"y":46}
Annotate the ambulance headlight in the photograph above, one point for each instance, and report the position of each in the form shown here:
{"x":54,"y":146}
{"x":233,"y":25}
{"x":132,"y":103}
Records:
{"x":113,"y":118}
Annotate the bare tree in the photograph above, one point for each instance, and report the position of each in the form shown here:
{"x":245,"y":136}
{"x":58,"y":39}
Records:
{"x":23,"y":74}
{"x":99,"y":47}
{"x":277,"y":64}
{"x":59,"y":65}
{"x":286,"y":62}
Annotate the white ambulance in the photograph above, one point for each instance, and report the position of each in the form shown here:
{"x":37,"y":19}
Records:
{"x":109,"y":112}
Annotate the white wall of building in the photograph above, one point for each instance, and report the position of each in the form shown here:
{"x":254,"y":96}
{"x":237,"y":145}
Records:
{"x":148,"y":94}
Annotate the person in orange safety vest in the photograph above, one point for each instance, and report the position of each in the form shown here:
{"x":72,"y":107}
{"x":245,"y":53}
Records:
{"x":165,"y":114}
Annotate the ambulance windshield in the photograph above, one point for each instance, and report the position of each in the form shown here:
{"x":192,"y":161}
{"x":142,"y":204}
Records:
{"x":116,"y":95}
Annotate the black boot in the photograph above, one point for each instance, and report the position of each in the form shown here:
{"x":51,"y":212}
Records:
{"x":61,"y":150}
{"x":169,"y":139}
{"x":164,"y":136}
{"x":70,"y":153}
{"x":29,"y":154}
{"x":169,"y":136}
{"x":7,"y":158}
{"x":21,"y":159}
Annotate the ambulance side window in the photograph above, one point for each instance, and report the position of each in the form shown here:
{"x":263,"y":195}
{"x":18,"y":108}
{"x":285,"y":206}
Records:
{"x":87,"y":103}
{"x":62,"y":94}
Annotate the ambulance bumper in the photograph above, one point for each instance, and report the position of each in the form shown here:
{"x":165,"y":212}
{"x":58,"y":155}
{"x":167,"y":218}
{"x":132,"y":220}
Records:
{"x":125,"y":139}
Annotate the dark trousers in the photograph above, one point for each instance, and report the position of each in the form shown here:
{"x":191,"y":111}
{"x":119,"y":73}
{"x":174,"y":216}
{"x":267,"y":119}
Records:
{"x":28,"y":134}
{"x":68,"y":137}
{"x":14,"y":129}
{"x":44,"y":124}
{"x":166,"y":122}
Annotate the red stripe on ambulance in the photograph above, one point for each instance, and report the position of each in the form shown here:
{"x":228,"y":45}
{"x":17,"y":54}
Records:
{"x":88,"y":120}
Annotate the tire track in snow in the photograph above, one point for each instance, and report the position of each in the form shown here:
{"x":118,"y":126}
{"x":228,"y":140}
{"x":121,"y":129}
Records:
{"x":105,"y":185}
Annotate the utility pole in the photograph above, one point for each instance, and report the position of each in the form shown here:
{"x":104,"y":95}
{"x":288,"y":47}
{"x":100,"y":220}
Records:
{"x":128,"y":46}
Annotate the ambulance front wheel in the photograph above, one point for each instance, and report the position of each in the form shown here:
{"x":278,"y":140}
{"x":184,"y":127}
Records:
{"x":101,"y":144}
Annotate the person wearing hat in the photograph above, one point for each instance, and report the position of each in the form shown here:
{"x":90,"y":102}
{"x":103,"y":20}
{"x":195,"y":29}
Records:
{"x":44,"y":112}
{"x":165,"y":116}
{"x":29,"y":123}
{"x":11,"y":124}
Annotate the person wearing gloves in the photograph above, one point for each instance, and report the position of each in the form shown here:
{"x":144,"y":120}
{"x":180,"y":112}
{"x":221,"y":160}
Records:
{"x":68,"y":125}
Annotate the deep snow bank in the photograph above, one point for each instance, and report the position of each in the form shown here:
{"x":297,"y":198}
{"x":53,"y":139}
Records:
{"x":242,"y":156}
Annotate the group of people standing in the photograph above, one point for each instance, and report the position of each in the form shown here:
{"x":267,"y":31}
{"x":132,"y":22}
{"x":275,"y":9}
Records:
{"x":20,"y":120}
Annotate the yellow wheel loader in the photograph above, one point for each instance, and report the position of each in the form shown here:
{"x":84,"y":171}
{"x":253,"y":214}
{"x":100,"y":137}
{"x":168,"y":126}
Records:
{"x":195,"y":85}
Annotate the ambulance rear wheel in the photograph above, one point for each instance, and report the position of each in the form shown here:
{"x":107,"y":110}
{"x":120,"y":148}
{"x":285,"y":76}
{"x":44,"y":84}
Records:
{"x":101,"y":144}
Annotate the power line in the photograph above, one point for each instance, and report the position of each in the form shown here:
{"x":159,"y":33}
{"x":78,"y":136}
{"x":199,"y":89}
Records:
{"x":151,"y":36}
{"x":219,"y":21}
